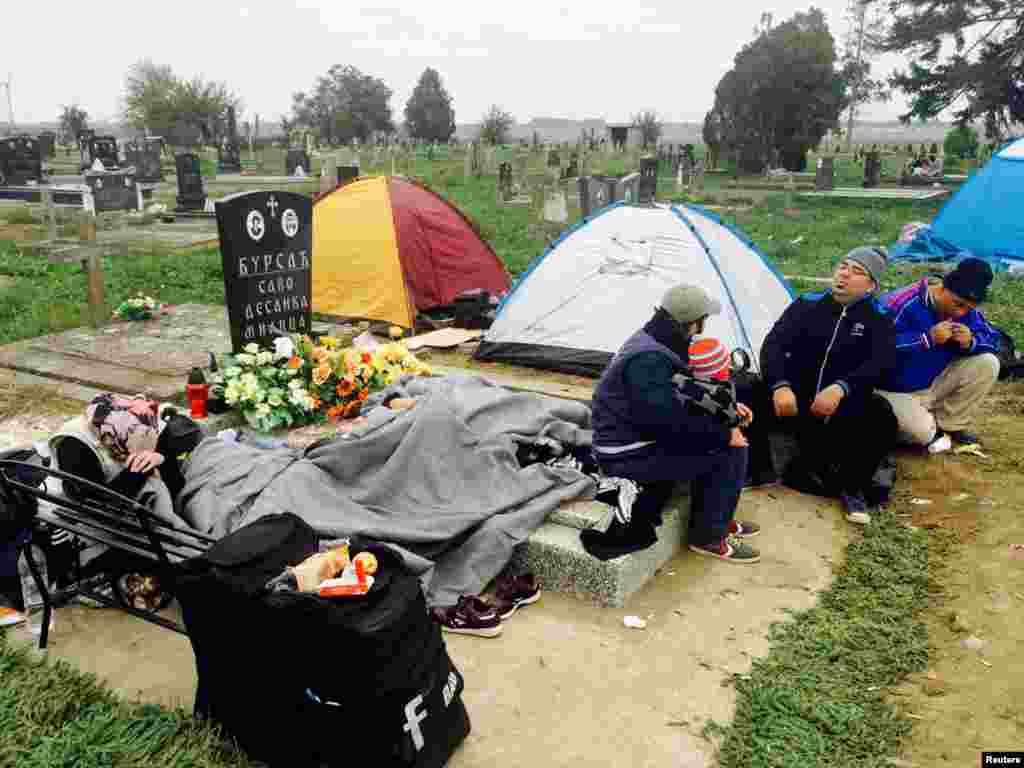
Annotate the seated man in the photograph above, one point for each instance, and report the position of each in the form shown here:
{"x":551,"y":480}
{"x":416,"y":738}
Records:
{"x":820,"y":364}
{"x":656,"y":425}
{"x":946,"y":356}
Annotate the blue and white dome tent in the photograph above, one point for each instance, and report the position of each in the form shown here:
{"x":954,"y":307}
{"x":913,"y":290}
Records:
{"x":985,"y":218}
{"x":600,"y":282}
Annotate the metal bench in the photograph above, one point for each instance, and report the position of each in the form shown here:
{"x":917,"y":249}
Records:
{"x":95,"y":514}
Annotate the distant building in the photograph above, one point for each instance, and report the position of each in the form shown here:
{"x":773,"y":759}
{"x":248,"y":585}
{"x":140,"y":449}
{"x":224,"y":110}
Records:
{"x":624,"y":134}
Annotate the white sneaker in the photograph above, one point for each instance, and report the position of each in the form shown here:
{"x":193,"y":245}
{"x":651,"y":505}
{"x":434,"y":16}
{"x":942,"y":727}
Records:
{"x":859,"y":518}
{"x":940,"y":444}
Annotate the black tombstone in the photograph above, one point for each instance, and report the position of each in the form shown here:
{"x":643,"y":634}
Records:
{"x":573,"y":169}
{"x":346,"y":174}
{"x":294,"y":159}
{"x":872,"y":169}
{"x":229,"y":158}
{"x":595,"y":192}
{"x":113,"y":191}
{"x":191,"y":193}
{"x":554,"y":159}
{"x":505,"y":180}
{"x":648,"y":186}
{"x":102,"y":148}
{"x":148,"y":162}
{"x":21,"y":160}
{"x":48,"y":144}
{"x":266,"y":242}
{"x":825,"y":174}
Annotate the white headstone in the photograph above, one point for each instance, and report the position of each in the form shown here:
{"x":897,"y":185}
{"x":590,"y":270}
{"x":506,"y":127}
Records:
{"x":555,"y":208}
{"x":300,"y":172}
{"x":97,"y":165}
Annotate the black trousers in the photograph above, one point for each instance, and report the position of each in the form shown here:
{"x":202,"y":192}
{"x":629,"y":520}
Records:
{"x":844,"y":451}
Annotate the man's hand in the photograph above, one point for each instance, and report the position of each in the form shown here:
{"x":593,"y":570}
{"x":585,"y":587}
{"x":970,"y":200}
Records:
{"x":784,"y":401}
{"x":962,"y":335}
{"x":941,"y":332}
{"x":737,"y":440}
{"x":745,"y":413}
{"x":827,"y":401}
{"x":143,"y":461}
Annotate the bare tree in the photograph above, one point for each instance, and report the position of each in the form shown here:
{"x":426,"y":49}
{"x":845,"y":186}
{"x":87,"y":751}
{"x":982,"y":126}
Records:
{"x":649,"y":125}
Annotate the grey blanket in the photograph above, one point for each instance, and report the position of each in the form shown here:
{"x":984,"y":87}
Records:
{"x":440,"y":481}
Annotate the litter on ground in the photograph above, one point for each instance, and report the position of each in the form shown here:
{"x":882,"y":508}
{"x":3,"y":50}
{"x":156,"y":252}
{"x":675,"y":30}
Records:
{"x":634,"y":622}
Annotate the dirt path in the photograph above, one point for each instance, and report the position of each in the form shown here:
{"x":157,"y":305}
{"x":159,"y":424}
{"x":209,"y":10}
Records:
{"x":972,"y":700}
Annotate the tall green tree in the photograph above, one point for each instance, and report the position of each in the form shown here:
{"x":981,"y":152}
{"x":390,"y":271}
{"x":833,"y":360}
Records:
{"x":965,"y":55}
{"x":495,"y":124}
{"x":72,"y":120}
{"x":783,"y":94}
{"x":157,"y":100}
{"x":428,"y":113}
{"x":649,"y":125}
{"x":344,"y":104}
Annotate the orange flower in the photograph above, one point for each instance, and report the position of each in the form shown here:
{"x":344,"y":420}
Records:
{"x":344,"y":388}
{"x":319,"y":354}
{"x":321,"y":373}
{"x":295,"y":362}
{"x":367,"y":358}
{"x":352,"y":409}
{"x":363,"y":394}
{"x":316,"y":403}
{"x":336,"y":412}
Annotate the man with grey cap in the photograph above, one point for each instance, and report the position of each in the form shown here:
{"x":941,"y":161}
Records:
{"x":656,"y":425}
{"x":821,"y":364}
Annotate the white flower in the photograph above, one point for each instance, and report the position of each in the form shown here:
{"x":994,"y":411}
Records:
{"x":251,"y":349}
{"x":232,"y":372}
{"x":294,"y":384}
{"x":284,"y":348}
{"x":263,"y":409}
{"x":232,"y":393}
{"x":249,"y":380}
{"x":274,"y":397}
{"x":244,"y":359}
{"x":264,"y":358}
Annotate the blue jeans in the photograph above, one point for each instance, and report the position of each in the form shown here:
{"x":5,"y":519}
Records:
{"x":716,"y":483}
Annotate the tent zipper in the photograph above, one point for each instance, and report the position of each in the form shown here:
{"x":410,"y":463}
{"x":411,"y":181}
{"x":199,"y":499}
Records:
{"x":835,"y":333}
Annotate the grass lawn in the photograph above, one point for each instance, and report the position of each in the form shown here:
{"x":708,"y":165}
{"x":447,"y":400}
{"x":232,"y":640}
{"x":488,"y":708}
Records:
{"x":818,"y":698}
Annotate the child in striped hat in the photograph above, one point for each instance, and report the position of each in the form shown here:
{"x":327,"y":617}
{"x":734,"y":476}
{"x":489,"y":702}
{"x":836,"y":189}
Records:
{"x":709,"y":361}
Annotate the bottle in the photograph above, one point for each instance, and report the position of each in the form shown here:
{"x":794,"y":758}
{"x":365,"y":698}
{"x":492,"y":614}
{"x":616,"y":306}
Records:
{"x":30,"y":594}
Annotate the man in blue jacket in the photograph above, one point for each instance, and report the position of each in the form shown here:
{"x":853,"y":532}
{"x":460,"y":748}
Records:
{"x":821,"y":363}
{"x":656,"y":425}
{"x":946,"y":356}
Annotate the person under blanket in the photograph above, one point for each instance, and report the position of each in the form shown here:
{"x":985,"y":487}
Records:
{"x":656,"y":424}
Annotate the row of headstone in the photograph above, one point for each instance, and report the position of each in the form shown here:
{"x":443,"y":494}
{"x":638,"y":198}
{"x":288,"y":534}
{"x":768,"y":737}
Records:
{"x":596,"y":192}
{"x":296,"y":162}
{"x":112,"y":191}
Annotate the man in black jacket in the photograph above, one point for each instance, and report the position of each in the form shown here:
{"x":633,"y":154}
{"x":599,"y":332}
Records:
{"x":821,"y":364}
{"x":655,"y":425}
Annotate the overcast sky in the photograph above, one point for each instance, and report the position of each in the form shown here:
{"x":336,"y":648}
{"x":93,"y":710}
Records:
{"x":573,"y":60}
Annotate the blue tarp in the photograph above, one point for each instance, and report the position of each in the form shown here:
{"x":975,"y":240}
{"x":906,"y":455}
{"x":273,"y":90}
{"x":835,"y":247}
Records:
{"x":985,"y":217}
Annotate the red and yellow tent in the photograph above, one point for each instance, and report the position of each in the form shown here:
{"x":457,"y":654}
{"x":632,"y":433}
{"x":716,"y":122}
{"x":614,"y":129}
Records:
{"x":385,"y":248}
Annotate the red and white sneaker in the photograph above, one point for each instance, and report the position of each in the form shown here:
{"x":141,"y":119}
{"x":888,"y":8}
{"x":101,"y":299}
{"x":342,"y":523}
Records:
{"x":730,"y":549}
{"x":743,"y":529}
{"x":469,"y":616}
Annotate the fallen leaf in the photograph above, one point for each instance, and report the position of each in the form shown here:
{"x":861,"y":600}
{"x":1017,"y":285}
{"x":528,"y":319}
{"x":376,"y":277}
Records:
{"x":634,"y":622}
{"x":677,"y":723}
{"x":920,"y":502}
{"x":986,"y":663}
{"x":961,"y":497}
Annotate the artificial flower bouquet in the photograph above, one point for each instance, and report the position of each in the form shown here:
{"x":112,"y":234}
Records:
{"x":298,"y":382}
{"x":138,"y":308}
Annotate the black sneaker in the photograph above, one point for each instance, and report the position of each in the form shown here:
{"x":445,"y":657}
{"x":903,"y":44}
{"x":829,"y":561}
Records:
{"x":965,"y":437}
{"x":512,"y":592}
{"x":469,"y":616}
{"x":856,"y":508}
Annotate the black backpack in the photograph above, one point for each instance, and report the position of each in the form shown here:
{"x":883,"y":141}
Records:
{"x":1010,"y":365}
{"x":301,"y":680}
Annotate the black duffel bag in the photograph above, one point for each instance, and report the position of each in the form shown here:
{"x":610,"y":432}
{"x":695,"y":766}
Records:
{"x":298,"y":679}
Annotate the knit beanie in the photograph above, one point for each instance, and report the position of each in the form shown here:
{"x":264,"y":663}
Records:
{"x":874,"y":258}
{"x":689,"y":303}
{"x":709,"y":359}
{"x":970,"y":280}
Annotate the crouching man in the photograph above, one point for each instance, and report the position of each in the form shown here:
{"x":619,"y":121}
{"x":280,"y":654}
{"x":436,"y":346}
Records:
{"x":946,"y":356}
{"x":656,"y":425}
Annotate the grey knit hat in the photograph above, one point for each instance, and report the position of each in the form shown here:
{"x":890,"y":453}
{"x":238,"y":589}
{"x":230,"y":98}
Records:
{"x":874,"y":258}
{"x":689,"y":303}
